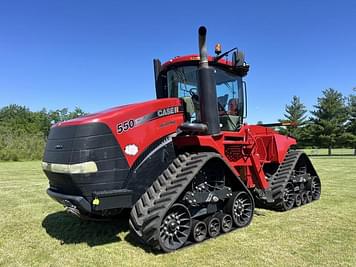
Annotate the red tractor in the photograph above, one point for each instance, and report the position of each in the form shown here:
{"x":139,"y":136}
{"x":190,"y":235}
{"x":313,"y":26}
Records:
{"x":186,"y":164}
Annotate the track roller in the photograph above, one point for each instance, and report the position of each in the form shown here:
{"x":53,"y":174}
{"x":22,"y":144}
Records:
{"x":199,"y":231}
{"x":213,"y":224}
{"x":226,"y":222}
{"x":304,"y":197}
{"x":298,"y":200}
{"x":309,"y":196}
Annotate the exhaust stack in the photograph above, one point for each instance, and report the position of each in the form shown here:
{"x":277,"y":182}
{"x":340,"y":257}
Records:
{"x":207,"y":88}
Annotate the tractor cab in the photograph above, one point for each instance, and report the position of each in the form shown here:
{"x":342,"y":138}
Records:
{"x":178,"y":78}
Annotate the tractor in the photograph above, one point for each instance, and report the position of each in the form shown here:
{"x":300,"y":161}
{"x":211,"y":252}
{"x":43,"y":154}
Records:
{"x":185,"y":165}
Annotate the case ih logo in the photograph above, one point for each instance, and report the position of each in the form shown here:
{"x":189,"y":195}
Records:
{"x":167,"y":111}
{"x":129,"y":124}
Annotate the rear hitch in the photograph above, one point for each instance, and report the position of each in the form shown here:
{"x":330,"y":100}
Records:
{"x":73,"y":211}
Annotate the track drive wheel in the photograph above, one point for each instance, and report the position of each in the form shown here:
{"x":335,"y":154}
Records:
{"x":240,"y":206}
{"x":288,"y":196}
{"x":199,"y":231}
{"x":175,"y":228}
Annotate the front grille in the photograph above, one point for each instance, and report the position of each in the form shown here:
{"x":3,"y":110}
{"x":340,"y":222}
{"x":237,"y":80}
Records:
{"x":233,"y":152}
{"x":82,"y":143}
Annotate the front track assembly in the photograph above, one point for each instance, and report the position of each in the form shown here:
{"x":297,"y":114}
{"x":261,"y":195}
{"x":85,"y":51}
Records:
{"x":189,"y":203}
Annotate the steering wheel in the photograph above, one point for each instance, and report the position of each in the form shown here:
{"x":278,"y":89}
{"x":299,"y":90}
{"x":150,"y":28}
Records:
{"x":193,"y":91}
{"x":222,"y":101}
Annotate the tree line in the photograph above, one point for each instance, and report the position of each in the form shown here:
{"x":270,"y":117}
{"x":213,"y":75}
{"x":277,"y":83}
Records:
{"x":332,"y":124}
{"x":23,"y":132}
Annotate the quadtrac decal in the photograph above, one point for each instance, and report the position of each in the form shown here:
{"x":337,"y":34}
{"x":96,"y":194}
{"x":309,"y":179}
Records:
{"x":132,"y":123}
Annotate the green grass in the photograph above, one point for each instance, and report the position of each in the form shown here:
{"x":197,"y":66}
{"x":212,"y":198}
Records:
{"x":34,"y":230}
{"x":324,"y":151}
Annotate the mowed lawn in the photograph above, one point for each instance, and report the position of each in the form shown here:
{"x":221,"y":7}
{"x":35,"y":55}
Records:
{"x":34,"y":230}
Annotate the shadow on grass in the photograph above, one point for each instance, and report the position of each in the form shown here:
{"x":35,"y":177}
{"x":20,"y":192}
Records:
{"x":71,"y":230}
{"x":138,"y":243}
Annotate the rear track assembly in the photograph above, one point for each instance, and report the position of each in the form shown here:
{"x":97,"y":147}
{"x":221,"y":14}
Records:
{"x":295,"y":183}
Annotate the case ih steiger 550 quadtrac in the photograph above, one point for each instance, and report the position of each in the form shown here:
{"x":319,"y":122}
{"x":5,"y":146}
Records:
{"x":185,"y":164}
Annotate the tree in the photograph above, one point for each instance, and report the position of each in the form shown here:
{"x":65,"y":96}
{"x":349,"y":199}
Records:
{"x":350,"y":135}
{"x":329,"y":118}
{"x":64,"y":115}
{"x":21,"y":120}
{"x":23,"y":132}
{"x":295,"y":113}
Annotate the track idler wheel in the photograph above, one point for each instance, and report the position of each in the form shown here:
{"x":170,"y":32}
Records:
{"x":213,"y":224}
{"x":226,"y":222}
{"x":288,"y":196}
{"x":175,"y":228}
{"x":315,"y":187}
{"x":199,"y":231}
{"x":240,"y":206}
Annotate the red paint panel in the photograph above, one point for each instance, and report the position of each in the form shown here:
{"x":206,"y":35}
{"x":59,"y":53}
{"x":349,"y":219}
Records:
{"x":141,"y":135}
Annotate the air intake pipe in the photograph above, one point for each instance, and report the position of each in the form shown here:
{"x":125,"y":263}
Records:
{"x":207,"y":88}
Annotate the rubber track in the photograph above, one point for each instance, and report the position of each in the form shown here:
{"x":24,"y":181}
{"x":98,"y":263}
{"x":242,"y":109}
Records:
{"x":282,"y":177}
{"x":150,"y":209}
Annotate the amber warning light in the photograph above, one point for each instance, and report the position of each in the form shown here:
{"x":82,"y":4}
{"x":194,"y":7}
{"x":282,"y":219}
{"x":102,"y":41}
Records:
{"x":218,"y":49}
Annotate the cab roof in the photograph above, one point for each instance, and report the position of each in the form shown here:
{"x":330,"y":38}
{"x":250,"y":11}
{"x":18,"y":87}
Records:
{"x":193,"y":59}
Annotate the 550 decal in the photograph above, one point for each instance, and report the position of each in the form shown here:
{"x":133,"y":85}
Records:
{"x":125,"y":126}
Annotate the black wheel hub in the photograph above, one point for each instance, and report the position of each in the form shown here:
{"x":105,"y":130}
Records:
{"x":240,"y":206}
{"x":175,"y":227}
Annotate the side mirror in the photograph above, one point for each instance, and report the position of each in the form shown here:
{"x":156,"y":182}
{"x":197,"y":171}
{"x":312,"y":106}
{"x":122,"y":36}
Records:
{"x":238,"y":58}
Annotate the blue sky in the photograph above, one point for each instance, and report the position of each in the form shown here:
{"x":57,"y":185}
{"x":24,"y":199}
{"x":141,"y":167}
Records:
{"x":98,"y":54}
